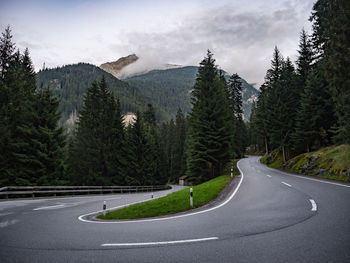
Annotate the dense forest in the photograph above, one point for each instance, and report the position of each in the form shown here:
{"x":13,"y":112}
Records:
{"x":167,"y":90}
{"x":101,"y":150}
{"x":171,"y":89}
{"x":32,"y":144}
{"x":69,"y":83}
{"x":303,"y":108}
{"x":299,"y":108}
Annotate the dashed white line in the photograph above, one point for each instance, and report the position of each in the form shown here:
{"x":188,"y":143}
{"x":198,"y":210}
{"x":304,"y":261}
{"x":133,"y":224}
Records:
{"x":268,"y":175}
{"x":312,"y":179}
{"x":286,"y":184}
{"x":8,"y":223}
{"x":314,"y":205}
{"x":6,"y":214}
{"x":48,"y":207}
{"x":159,"y":242}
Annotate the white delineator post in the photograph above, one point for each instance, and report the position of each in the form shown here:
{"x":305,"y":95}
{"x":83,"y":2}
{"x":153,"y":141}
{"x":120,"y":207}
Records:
{"x":191,"y":197}
{"x":104,"y":208}
{"x":231,"y":171}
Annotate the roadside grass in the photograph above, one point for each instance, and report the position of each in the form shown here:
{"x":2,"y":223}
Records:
{"x":175,"y":202}
{"x":334,"y":159}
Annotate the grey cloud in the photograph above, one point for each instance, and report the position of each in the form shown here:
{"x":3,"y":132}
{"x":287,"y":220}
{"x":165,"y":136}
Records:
{"x":241,"y":42}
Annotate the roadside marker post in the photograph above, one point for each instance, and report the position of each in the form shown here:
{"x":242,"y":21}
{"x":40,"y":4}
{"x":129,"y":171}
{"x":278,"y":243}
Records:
{"x":191,"y":197}
{"x":104,"y":208}
{"x":231,"y":171}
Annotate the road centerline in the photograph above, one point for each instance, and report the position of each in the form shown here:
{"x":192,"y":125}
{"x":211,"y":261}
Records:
{"x":286,"y":184}
{"x":313,"y":204}
{"x":159,"y":242}
{"x":48,"y":207}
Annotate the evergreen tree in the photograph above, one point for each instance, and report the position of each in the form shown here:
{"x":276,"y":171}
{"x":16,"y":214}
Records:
{"x":50,"y":139}
{"x":95,"y":156}
{"x":138,"y":169}
{"x":304,"y":60}
{"x":209,"y":139}
{"x":32,"y":145}
{"x":281,"y":103}
{"x":239,"y":128}
{"x":179,"y":159}
{"x":331,"y":39}
{"x":315,"y":115}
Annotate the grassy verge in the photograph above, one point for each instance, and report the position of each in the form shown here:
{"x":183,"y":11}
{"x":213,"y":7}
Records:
{"x":175,"y":202}
{"x":331,"y":162}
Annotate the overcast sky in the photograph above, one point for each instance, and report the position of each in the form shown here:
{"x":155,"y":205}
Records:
{"x":240,"y":33}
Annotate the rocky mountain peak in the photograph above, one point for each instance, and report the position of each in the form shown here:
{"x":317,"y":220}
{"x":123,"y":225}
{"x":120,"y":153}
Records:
{"x":115,"y":67}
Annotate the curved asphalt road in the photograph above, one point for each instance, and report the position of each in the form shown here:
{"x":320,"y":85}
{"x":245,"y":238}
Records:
{"x":269,"y":219}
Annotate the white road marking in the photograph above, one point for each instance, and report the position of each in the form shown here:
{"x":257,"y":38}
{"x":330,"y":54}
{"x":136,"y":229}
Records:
{"x":48,"y":207}
{"x":6,"y":214}
{"x":312,"y":179}
{"x":268,"y":175}
{"x":314,"y":205}
{"x":159,"y":242}
{"x":8,"y":223}
{"x":286,"y":184}
{"x":81,"y":218}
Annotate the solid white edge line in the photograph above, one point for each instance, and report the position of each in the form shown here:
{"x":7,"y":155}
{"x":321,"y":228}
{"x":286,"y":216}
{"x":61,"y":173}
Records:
{"x":314,"y":205}
{"x":286,"y":184}
{"x":81,"y":218}
{"x":47,"y":207}
{"x":159,"y":242}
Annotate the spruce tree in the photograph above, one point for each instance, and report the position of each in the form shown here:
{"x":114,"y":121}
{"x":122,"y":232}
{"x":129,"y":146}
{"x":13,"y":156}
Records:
{"x":239,"y":128}
{"x":179,"y":159}
{"x":209,"y":139}
{"x":95,"y":155}
{"x":316,"y":114}
{"x":281,"y":103}
{"x":138,"y":170}
{"x":331,"y":39}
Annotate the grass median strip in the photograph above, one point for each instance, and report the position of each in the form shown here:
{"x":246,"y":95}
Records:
{"x":175,"y":202}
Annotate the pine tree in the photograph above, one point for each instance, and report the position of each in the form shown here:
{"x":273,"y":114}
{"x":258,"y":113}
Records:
{"x":316,"y":114}
{"x":50,"y":139}
{"x":179,"y":160}
{"x":239,"y":128}
{"x":209,"y":139}
{"x":331,"y":39}
{"x":281,"y":103}
{"x":138,"y":169}
{"x":95,"y":156}
{"x":304,"y":60}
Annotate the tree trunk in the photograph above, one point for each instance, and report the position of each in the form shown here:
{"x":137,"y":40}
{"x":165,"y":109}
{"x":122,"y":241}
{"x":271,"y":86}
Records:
{"x":284,"y":154}
{"x":266,"y":146}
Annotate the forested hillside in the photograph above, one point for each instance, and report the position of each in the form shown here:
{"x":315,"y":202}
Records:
{"x":69,"y":83}
{"x":305,"y":107}
{"x":171,"y":89}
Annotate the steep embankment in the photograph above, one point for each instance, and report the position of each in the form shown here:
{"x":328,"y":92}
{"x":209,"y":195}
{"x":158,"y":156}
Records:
{"x":331,"y":162}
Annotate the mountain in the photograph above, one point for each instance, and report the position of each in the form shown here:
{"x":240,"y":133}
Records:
{"x":115,"y":67}
{"x":168,"y":89}
{"x":70,"y":82}
{"x":171,"y":89}
{"x":133,"y":65}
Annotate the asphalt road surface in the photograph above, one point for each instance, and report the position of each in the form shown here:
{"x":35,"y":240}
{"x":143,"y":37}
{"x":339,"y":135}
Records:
{"x":269,"y":216}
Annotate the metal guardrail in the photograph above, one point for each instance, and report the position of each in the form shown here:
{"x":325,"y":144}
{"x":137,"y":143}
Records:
{"x":35,"y":191}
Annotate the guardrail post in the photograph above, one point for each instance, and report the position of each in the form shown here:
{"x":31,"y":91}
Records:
{"x":191,"y":197}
